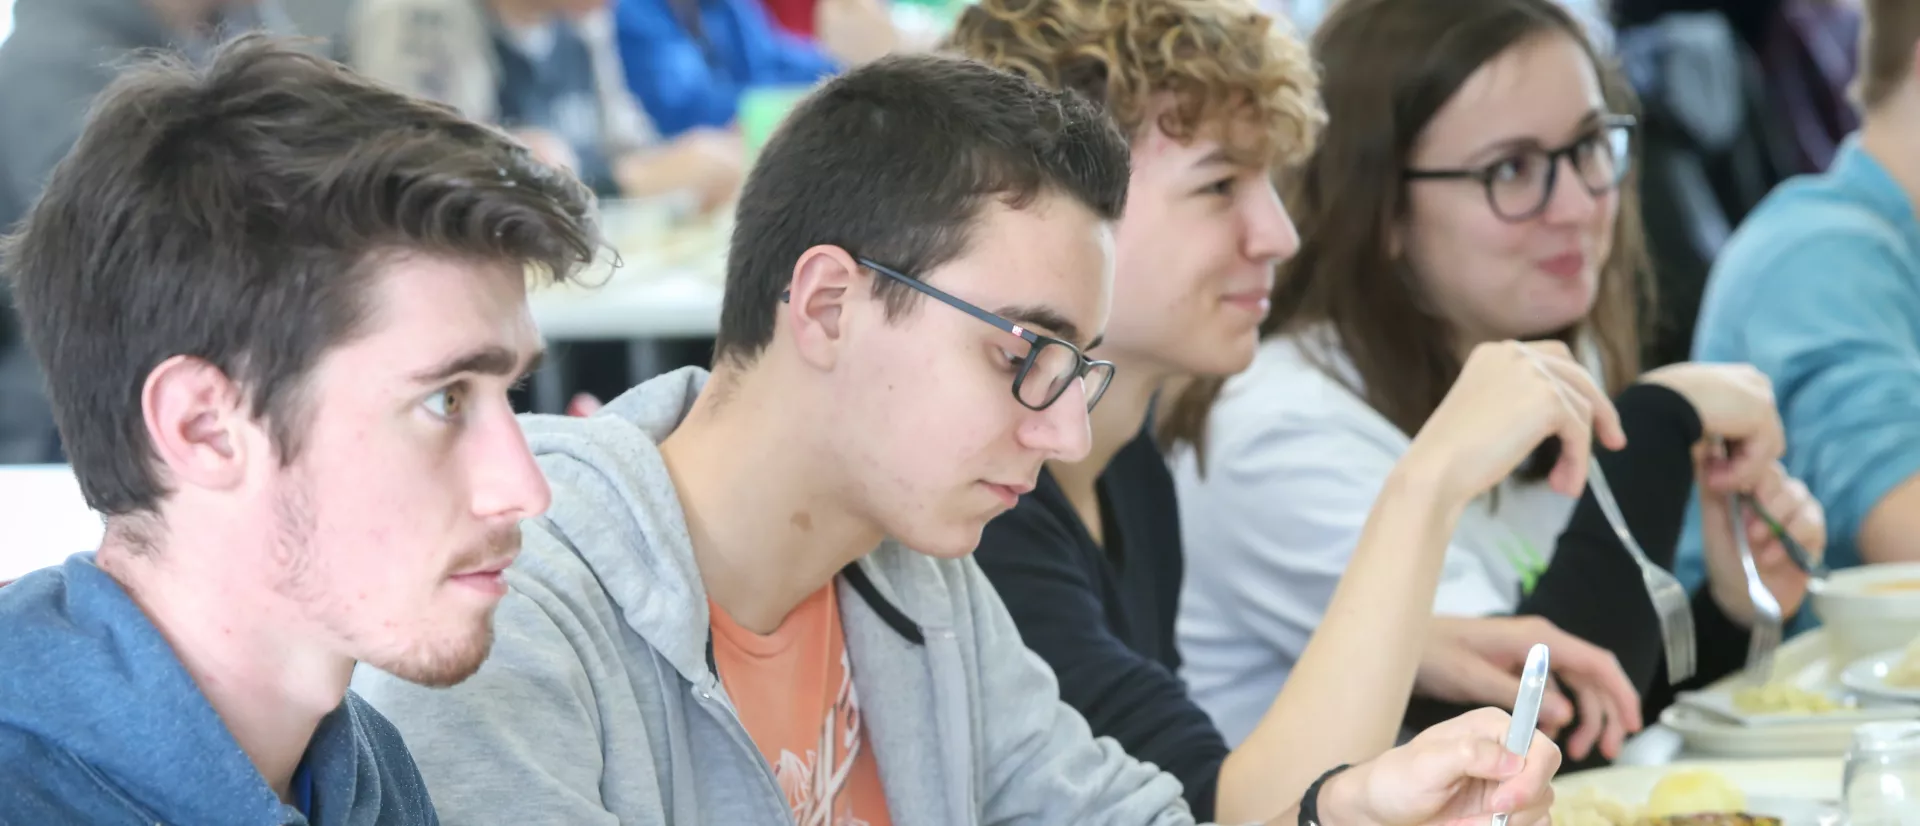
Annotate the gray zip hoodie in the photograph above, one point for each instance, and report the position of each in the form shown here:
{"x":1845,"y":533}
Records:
{"x":600,"y":705}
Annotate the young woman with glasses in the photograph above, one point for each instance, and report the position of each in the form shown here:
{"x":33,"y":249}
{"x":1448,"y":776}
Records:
{"x":1474,"y":186}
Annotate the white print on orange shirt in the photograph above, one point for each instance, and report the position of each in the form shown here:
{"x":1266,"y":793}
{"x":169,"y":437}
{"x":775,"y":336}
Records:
{"x":814,"y":795}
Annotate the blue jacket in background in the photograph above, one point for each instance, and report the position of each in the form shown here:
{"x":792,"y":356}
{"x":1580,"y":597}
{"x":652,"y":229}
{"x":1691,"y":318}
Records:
{"x":1820,"y":289}
{"x":685,"y":81}
{"x":101,"y":724}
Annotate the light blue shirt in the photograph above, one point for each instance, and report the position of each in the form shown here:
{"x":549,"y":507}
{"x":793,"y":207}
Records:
{"x":1820,"y":289}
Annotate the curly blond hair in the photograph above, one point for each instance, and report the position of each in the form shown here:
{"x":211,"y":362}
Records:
{"x":1227,"y":66}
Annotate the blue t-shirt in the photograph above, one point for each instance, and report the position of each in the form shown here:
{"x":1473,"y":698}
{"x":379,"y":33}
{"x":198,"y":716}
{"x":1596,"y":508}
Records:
{"x":1820,"y":289}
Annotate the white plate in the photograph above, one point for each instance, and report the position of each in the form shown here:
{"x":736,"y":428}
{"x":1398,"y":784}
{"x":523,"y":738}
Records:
{"x":1803,"y":662}
{"x":1799,"y":792}
{"x":1719,"y":703}
{"x":1708,"y":733}
{"x":1868,"y":675}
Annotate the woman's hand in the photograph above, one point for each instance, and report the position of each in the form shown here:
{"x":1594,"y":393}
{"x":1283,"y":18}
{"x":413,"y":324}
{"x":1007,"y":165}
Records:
{"x":1735,"y":404}
{"x":1509,"y":398}
{"x":1478,"y":660}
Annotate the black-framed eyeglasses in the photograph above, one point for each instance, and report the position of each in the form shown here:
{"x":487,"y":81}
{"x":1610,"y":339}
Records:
{"x":1052,"y":364}
{"x":1519,"y":186}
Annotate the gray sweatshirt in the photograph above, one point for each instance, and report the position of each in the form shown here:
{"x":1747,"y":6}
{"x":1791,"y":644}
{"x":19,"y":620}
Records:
{"x":600,"y":705}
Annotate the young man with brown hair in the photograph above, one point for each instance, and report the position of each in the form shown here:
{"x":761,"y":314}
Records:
{"x":1820,"y":288}
{"x":280,"y":308}
{"x":752,"y":601}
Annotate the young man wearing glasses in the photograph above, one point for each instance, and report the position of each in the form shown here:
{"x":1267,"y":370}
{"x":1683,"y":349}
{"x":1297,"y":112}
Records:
{"x":720,"y":621}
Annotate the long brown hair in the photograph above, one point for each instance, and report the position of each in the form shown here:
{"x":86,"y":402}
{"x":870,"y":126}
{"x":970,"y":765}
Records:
{"x":1387,"y":67}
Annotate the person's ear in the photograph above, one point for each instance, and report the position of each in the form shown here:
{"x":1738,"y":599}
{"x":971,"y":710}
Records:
{"x":197,"y":420}
{"x":818,"y":303}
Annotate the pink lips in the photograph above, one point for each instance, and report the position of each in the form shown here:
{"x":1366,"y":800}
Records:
{"x":1009,"y":494}
{"x":1251,"y":301}
{"x":490,"y":580}
{"x":1569,"y":265}
{"x":491,"y":583}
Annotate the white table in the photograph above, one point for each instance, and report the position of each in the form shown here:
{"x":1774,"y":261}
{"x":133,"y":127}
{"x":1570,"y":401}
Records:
{"x":678,"y":304}
{"x":45,"y":516}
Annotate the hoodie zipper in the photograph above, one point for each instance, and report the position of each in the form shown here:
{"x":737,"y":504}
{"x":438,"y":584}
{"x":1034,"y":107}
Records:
{"x":713,"y":695}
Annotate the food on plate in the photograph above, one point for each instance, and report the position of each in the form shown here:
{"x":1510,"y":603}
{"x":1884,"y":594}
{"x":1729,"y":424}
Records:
{"x":1693,"y":791}
{"x":1714,"y":819}
{"x":1591,"y":807}
{"x":1778,"y":698}
{"x":1686,"y":797}
{"x":1906,"y":672}
{"x":1892,"y":586}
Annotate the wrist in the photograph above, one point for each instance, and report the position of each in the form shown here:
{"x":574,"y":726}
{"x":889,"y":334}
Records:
{"x":1419,"y":484}
{"x":1342,"y":801}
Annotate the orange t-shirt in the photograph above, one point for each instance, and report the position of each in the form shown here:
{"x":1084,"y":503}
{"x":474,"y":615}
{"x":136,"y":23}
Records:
{"x":794,"y":691}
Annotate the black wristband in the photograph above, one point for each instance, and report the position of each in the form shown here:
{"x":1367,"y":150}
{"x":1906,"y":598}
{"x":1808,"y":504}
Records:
{"x":1310,"y":802}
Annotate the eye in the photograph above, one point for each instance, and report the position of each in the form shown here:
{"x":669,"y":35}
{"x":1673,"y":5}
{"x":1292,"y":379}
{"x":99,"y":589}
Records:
{"x":1596,"y":145}
{"x":1514,"y":168}
{"x":1010,"y":359}
{"x":445,"y":403}
{"x":1223,"y":187}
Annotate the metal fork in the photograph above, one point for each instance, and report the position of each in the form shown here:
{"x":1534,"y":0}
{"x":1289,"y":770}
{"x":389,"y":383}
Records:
{"x":1767,"y":625}
{"x":1670,"y":602}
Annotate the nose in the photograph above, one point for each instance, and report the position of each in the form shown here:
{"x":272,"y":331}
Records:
{"x":508,"y":484}
{"x":1063,"y":431}
{"x":1570,"y":202}
{"x":1270,"y":234}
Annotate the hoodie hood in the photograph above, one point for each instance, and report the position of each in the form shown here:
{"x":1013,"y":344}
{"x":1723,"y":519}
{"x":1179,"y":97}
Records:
{"x":611,"y":490}
{"x":612,"y":494}
{"x":89,"y":674}
{"x":86,"y":676}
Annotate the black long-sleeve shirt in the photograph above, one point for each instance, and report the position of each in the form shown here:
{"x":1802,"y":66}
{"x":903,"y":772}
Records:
{"x":1103,"y":616}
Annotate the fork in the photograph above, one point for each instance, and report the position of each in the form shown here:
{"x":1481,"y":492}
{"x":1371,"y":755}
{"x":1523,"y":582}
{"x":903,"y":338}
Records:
{"x":1670,"y":603}
{"x":1767,"y":625}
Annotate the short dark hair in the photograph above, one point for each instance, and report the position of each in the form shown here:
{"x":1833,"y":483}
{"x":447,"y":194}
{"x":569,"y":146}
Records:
{"x":894,"y":161}
{"x":238,"y":213}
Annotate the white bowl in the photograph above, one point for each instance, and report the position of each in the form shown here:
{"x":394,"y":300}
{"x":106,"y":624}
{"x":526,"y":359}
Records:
{"x":1869,"y":609}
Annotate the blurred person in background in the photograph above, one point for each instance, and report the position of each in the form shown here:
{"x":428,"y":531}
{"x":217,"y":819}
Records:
{"x":1820,"y":288}
{"x":690,"y":61}
{"x":60,"y":55}
{"x":548,"y":72}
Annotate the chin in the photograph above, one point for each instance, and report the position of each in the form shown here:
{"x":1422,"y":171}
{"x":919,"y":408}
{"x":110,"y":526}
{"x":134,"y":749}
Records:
{"x":1225,"y":358}
{"x":440,"y":663}
{"x":953,"y":541}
